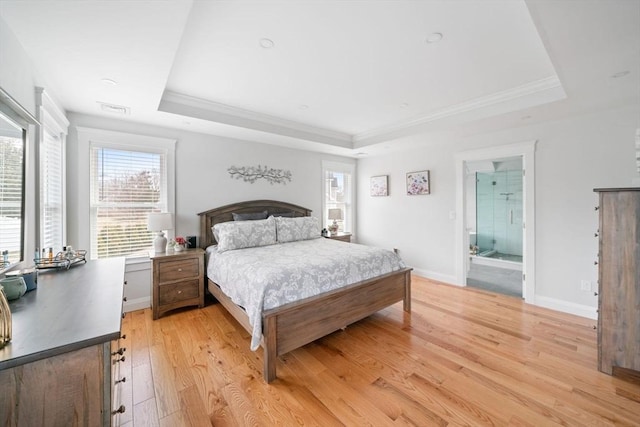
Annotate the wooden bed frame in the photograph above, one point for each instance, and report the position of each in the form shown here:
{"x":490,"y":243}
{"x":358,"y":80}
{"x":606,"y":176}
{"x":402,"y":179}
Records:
{"x":295,"y":324}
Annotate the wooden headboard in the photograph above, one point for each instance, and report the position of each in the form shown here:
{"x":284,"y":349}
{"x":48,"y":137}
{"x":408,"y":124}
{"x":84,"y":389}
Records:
{"x":213,"y":216}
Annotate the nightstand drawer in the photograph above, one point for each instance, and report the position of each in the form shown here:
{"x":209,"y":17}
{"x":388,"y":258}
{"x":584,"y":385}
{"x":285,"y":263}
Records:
{"x":179,"y":291}
{"x":179,"y":269}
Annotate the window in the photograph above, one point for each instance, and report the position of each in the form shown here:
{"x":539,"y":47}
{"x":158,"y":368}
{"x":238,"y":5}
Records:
{"x":338,"y":194}
{"x":130,"y":176}
{"x":51,"y":173}
{"x":15,"y":124}
{"x":11,"y":191}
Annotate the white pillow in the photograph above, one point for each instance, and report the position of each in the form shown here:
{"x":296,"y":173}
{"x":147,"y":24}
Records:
{"x":245,"y":234}
{"x":294,"y":229}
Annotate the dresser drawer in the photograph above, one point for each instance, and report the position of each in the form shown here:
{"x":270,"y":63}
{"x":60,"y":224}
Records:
{"x":179,"y":291}
{"x":178,"y":269}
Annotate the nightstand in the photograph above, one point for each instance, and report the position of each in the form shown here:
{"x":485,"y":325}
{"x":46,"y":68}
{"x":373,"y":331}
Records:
{"x":343,"y":237}
{"x":178,"y":280}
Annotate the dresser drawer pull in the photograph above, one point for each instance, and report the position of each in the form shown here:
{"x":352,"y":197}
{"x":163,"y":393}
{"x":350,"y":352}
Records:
{"x":123,"y":380}
{"x":179,"y":269}
{"x":120,"y":351}
{"x":121,"y":359}
{"x":179,"y":292}
{"x":120,"y":410}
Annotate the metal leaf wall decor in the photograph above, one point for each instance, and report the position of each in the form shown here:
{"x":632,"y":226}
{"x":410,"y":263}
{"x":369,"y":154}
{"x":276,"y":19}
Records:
{"x":253,"y":173}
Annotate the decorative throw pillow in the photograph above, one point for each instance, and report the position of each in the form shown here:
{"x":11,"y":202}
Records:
{"x":285,"y":214}
{"x":252,"y":216}
{"x":294,"y":229}
{"x":245,"y":234}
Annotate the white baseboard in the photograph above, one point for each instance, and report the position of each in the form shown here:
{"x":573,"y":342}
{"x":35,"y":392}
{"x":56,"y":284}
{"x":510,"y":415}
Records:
{"x":451,"y":280}
{"x":137,"y":304}
{"x":567,"y":307}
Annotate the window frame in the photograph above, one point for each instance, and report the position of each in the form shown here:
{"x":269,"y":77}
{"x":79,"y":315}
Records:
{"x":89,"y":137}
{"x":12,"y":109}
{"x":52,"y":120}
{"x":350,"y":206}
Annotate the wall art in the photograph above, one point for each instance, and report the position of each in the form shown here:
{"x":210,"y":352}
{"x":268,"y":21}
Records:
{"x":253,"y":173}
{"x":418,"y":183}
{"x":380,"y":185}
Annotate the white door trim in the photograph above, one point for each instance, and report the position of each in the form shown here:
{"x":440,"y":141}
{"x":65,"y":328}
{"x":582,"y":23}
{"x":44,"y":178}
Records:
{"x":527,"y":151}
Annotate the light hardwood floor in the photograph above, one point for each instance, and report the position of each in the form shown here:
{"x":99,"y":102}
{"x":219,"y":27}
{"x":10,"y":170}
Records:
{"x":462,"y":357}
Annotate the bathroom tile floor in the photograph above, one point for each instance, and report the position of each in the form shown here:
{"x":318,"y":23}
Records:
{"x":495,"y":279}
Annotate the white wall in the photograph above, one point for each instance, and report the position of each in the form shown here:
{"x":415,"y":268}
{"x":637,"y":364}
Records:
{"x":202,"y":183}
{"x":573,"y":156}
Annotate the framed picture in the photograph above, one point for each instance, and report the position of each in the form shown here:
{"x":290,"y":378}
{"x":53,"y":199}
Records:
{"x":418,"y":183}
{"x":380,"y":185}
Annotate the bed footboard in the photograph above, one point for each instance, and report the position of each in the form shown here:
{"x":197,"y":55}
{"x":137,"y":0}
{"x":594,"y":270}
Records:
{"x":294,"y":325}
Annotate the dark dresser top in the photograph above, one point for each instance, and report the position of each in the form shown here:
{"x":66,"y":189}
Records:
{"x":70,"y":309}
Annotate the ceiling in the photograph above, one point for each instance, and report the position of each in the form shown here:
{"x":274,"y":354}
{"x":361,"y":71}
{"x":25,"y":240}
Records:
{"x":345,"y":77}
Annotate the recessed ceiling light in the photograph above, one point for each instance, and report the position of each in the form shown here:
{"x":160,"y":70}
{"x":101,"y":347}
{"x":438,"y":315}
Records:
{"x":434,"y":37}
{"x":266,"y":43}
{"x":108,"y":82}
{"x":620,"y":74}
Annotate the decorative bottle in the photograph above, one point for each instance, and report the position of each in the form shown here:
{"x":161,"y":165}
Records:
{"x":5,"y":319}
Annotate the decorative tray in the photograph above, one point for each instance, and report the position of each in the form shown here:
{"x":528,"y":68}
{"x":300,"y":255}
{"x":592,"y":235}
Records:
{"x":62,"y":260}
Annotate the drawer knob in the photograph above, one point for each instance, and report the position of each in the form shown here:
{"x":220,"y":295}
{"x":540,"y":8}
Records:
{"x":123,"y":380}
{"x":120,"y":410}
{"x":597,"y":207}
{"x":179,"y":269}
{"x":121,"y":359}
{"x":120,"y":351}
{"x":179,"y":292}
{"x":595,"y":262}
{"x":595,"y":294}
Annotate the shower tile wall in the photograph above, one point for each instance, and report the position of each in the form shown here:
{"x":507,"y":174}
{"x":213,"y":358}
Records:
{"x":499,"y":211}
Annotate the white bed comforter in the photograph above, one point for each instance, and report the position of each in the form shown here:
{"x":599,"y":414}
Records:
{"x":266,"y":277}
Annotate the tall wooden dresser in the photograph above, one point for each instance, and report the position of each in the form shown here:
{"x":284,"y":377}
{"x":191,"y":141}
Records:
{"x":619,"y":281}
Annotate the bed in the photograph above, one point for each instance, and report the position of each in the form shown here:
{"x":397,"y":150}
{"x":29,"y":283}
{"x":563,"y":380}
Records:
{"x":294,"y":324}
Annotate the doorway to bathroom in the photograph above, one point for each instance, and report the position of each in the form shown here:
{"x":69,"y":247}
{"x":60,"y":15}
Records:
{"x":495,"y":225}
{"x":494,"y":220}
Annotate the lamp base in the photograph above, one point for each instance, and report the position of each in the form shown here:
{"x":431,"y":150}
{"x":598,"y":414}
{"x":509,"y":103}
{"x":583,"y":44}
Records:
{"x":160,"y":243}
{"x":333,"y":228}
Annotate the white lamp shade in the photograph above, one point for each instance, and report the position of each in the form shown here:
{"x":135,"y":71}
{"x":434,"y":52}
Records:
{"x":160,"y":221}
{"x":335,"y":214}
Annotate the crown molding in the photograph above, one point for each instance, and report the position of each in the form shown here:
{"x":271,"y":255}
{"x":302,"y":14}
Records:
{"x":511,"y":98}
{"x":177,"y":103}
{"x":530,"y":94}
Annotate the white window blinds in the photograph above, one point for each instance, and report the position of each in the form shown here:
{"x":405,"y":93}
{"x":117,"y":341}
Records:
{"x":51,"y":172}
{"x":51,"y":191}
{"x":11,"y":193}
{"x":126,"y":185}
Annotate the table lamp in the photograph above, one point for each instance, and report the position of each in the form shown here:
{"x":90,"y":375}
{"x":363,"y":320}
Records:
{"x":158,"y":222}
{"x":334,"y":214}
